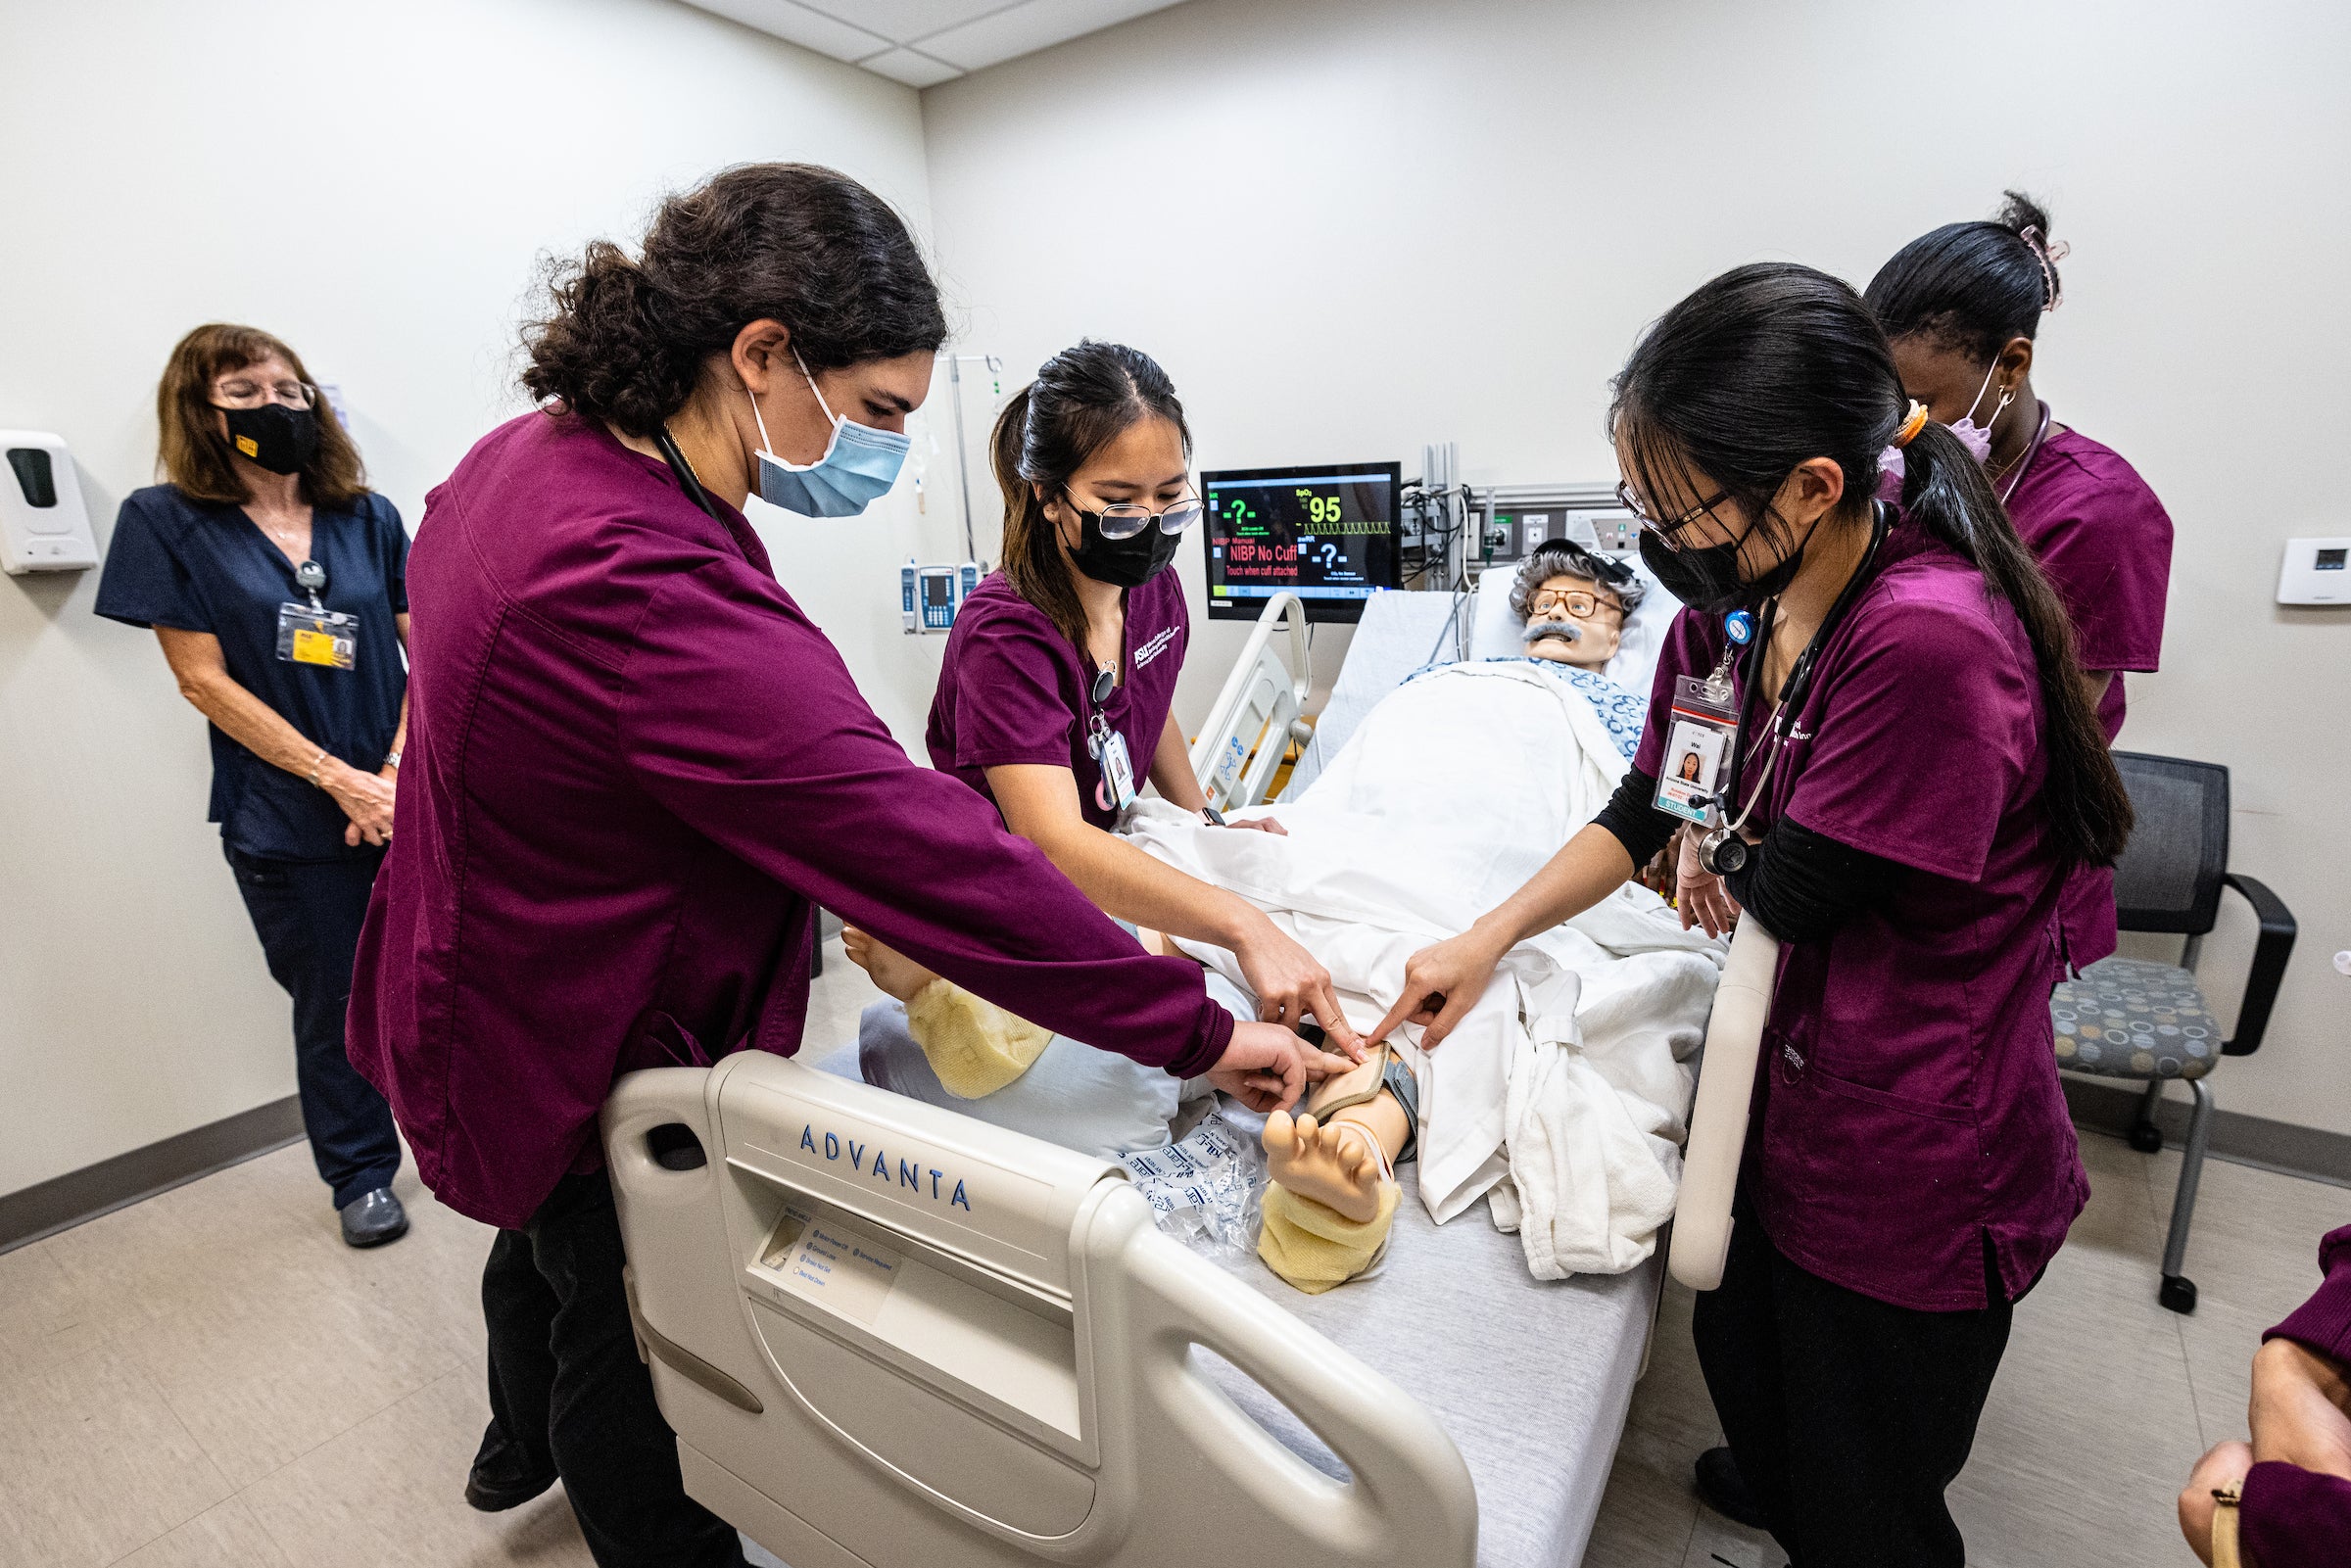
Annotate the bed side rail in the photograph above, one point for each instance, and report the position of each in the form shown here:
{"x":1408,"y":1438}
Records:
{"x":864,"y":1370}
{"x":1259,"y":713}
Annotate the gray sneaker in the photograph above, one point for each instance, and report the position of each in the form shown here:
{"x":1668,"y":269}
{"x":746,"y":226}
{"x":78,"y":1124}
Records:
{"x":373,"y":1218}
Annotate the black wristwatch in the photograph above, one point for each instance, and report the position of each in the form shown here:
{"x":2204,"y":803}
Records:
{"x":1213,"y":817}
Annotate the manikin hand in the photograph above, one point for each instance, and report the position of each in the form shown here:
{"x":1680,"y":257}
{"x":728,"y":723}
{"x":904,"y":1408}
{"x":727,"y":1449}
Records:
{"x":2300,"y":1413}
{"x":2225,"y":1464}
{"x":2301,"y":1408}
{"x":1289,"y":985}
{"x":1699,"y":893}
{"x":1267,"y":1067}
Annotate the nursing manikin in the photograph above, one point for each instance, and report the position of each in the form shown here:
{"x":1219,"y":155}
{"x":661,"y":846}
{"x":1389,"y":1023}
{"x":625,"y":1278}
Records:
{"x":1333,"y":1191}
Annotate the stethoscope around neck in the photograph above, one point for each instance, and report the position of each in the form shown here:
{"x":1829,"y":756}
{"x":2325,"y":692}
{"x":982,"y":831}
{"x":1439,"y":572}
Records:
{"x":1723,"y":851}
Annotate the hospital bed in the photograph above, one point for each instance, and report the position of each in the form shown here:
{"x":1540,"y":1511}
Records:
{"x":887,"y":1333}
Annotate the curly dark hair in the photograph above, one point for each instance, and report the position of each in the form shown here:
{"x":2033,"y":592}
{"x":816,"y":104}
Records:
{"x":627,"y":340}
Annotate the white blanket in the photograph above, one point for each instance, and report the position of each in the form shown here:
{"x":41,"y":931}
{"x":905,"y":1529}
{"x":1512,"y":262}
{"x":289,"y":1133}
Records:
{"x":1562,"y":1096}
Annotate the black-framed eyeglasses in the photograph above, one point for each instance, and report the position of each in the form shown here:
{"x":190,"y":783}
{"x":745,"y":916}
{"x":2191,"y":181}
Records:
{"x":1665,"y":531}
{"x":1127,"y":520}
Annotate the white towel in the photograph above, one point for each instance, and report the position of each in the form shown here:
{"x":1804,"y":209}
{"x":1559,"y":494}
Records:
{"x":1566,"y":1077}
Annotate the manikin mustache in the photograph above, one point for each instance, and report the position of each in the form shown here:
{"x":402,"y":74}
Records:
{"x":1537,"y":631}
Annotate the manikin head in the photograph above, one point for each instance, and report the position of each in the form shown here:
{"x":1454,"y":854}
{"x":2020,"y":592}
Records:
{"x":1573,"y":602}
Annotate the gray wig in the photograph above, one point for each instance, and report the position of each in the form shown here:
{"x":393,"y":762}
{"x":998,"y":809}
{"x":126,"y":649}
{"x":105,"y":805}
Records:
{"x":1560,"y":557}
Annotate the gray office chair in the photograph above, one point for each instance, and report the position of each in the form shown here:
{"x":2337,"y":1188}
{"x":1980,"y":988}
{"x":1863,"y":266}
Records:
{"x":2130,"y":1019}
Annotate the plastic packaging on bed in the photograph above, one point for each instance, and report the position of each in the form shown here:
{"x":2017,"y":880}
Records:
{"x":1204,"y":1188}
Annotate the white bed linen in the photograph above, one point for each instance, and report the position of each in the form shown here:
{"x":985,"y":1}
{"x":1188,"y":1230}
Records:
{"x":1565,"y":1079}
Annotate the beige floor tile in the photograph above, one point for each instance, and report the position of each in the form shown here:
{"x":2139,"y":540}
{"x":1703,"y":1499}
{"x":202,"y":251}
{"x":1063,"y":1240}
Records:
{"x":1646,"y":1516}
{"x":46,"y":1316}
{"x":2255,"y":1240}
{"x":264,"y":1368}
{"x":225,"y":1535}
{"x":1671,"y":1401}
{"x":389,"y":1494}
{"x":2221,"y":1340}
{"x":2120,"y":1217}
{"x":1714,"y":1540}
{"x":238,"y":1223}
{"x":2090,"y":1429}
{"x":434,"y":1274}
{"x":93,"y":1464}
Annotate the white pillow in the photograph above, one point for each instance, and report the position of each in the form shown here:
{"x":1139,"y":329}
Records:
{"x":1494,"y":629}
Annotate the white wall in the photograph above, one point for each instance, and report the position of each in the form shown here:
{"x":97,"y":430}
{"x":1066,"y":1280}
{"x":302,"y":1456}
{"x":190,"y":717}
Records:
{"x":373,"y":183}
{"x":1352,"y":229}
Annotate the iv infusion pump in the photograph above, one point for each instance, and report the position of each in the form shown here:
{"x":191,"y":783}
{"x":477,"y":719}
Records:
{"x":930,"y":596}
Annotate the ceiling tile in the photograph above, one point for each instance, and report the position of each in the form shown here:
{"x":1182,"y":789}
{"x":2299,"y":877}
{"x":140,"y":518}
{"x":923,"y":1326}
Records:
{"x":796,"y":24}
{"x":1032,"y":26}
{"x":913,"y":68}
{"x":907,"y":21}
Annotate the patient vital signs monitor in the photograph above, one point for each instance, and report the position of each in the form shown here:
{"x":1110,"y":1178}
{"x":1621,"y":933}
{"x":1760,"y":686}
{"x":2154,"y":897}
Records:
{"x":1327,"y":532}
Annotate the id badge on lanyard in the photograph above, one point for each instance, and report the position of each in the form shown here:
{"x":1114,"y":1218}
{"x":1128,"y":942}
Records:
{"x":1114,"y":790}
{"x":313,"y":634}
{"x":1704,"y":736}
{"x":328,"y":638}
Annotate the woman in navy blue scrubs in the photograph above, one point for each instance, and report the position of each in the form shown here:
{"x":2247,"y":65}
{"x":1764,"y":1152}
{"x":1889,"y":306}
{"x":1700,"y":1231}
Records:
{"x":276,"y":583}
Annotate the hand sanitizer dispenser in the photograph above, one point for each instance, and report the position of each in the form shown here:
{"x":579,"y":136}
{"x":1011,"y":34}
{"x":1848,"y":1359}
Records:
{"x":44,"y":525}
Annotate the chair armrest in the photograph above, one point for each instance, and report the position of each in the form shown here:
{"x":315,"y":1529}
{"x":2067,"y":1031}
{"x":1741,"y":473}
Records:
{"x":2269,"y":953}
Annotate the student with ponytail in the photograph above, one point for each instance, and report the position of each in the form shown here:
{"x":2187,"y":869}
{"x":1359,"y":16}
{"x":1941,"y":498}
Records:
{"x":1055,"y":696}
{"x":1917,"y":766}
{"x":1962,"y":306}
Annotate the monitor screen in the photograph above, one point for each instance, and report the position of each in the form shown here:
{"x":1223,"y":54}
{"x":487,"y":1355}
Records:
{"x":1326,"y":533}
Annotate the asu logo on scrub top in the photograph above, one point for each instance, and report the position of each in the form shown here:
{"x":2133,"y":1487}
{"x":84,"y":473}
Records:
{"x":1152,"y":649}
{"x":907,"y":1173}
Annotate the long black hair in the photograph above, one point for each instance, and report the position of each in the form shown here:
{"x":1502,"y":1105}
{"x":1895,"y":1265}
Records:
{"x":1081,"y":400}
{"x":1773,"y":365}
{"x":626,"y":339}
{"x":1972,"y":287}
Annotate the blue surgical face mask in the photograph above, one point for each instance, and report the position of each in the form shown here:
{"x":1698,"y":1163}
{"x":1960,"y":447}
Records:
{"x":859,"y":465}
{"x":1977,"y":439}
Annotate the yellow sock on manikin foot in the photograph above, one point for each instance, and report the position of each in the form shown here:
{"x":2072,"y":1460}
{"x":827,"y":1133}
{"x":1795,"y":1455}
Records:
{"x":974,"y":1046}
{"x":1313,"y":1246}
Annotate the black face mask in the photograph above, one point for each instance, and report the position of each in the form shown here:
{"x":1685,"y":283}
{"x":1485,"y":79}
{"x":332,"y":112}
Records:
{"x":1123,"y":562}
{"x":1707,"y":578}
{"x":274,"y":436}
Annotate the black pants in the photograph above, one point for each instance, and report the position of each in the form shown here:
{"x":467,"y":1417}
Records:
{"x":1849,"y":1416}
{"x":566,"y":1387}
{"x":307,"y":914}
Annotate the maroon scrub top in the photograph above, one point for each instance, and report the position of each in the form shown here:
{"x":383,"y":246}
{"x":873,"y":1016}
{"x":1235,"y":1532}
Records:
{"x":2293,"y":1517}
{"x":1907,"y":1123}
{"x":632,"y":766}
{"x":1012,"y":688}
{"x":2106,"y":542}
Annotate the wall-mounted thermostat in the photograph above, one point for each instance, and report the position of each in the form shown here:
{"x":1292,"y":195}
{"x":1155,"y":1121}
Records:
{"x":44,"y":525}
{"x":2317,"y":571}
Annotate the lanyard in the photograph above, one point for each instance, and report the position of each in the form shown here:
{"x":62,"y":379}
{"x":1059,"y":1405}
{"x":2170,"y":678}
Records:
{"x":2040,"y":434}
{"x":1799,"y":680}
{"x":687,"y":480}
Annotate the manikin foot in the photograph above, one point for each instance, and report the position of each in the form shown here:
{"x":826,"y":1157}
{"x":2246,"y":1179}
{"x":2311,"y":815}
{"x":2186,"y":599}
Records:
{"x":1335,"y":1164}
{"x":897,"y":975}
